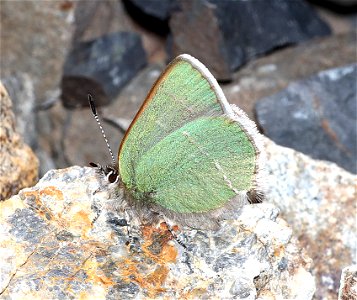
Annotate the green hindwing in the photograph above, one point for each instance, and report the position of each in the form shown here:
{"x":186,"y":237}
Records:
{"x":198,"y":167}
{"x":184,"y":148}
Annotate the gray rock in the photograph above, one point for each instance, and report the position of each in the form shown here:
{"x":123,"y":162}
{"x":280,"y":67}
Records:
{"x":69,"y":239}
{"x":35,"y":37}
{"x":226,"y":34}
{"x":270,"y":74}
{"x":316,"y":116}
{"x":101,"y":67}
{"x":318,"y":200}
{"x":21,"y":89}
{"x":94,"y":19}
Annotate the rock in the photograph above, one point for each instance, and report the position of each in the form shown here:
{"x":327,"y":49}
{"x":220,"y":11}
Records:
{"x":94,"y":19}
{"x":20,"y":87}
{"x":268,"y":75}
{"x":316,"y":116}
{"x":18,"y":163}
{"x":226,"y":34}
{"x":348,"y":287}
{"x":101,"y":67}
{"x":338,"y":6}
{"x":157,"y":9}
{"x":134,"y":94}
{"x":63,"y":231}
{"x":82,"y":139}
{"x":318,"y":200}
{"x":35,"y":39}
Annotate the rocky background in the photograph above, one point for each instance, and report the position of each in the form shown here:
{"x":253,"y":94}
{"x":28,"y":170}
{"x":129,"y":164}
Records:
{"x":291,"y":65}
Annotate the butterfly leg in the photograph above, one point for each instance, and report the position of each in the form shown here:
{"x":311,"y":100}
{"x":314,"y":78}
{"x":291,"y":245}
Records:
{"x":187,"y":257}
{"x":171,"y":229}
{"x":132,"y":240}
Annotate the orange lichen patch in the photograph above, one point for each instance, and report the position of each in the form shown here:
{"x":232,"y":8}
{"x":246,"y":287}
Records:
{"x":196,"y":293}
{"x":129,"y":269}
{"x":41,"y":209}
{"x":157,"y":278}
{"x":156,"y":244}
{"x":156,"y":249}
{"x":28,"y":194}
{"x":53,"y":192}
{"x":175,"y":228}
{"x":278,"y":252}
{"x":152,"y":281}
{"x":95,"y":275}
{"x":80,"y":222}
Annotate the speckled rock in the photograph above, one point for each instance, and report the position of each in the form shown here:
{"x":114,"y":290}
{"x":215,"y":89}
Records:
{"x":318,"y":200}
{"x":58,"y":241}
{"x":348,"y":287}
{"x":18,"y":164}
{"x":316,"y":116}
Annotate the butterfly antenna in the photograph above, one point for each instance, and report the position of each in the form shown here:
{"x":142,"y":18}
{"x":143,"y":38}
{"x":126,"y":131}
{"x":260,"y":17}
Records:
{"x":94,"y":111}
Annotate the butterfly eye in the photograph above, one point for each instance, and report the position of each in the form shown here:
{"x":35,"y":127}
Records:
{"x":112,"y":176}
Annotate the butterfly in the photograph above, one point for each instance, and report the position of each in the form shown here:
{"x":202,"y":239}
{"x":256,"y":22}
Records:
{"x":188,"y":154}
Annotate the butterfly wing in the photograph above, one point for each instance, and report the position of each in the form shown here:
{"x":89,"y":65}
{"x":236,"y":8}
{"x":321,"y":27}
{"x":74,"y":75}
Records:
{"x":186,"y":150}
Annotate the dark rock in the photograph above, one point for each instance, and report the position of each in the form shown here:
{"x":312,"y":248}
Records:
{"x":226,"y":34}
{"x":270,"y":74}
{"x":316,"y":116}
{"x":94,"y":19}
{"x":101,"y":67}
{"x":346,"y":7}
{"x":157,"y":9}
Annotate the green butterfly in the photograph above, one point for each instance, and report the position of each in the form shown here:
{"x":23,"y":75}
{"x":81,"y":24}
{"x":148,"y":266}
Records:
{"x":188,"y":154}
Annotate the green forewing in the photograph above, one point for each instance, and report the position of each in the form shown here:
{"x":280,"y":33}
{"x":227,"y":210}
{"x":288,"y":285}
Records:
{"x":182,"y":153}
{"x":181,"y":95}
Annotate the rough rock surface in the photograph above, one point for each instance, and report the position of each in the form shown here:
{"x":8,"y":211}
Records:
{"x":318,"y":200}
{"x":58,"y":240}
{"x":101,"y":67}
{"x":18,"y":164}
{"x":226,"y":34}
{"x":272,"y":73}
{"x":94,"y":19}
{"x":348,"y":287}
{"x":316,"y":116}
{"x":35,"y":37}
{"x":20,"y":87}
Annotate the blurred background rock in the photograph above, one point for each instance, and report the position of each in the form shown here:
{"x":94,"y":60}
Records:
{"x":54,"y":53}
{"x":291,"y":65}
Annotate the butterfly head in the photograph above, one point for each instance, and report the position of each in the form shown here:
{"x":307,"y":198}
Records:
{"x":108,"y":172}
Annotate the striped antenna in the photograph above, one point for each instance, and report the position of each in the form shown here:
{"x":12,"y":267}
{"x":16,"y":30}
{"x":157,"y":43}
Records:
{"x":94,"y":111}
